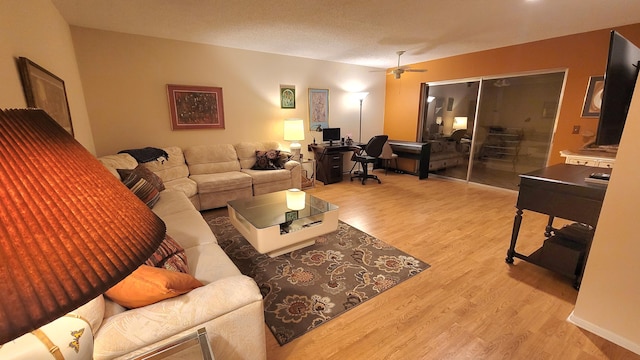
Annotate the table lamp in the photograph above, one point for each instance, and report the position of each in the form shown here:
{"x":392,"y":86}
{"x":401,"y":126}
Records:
{"x":294,"y":132}
{"x":69,"y":229}
{"x":295,"y":199}
{"x":459,"y":122}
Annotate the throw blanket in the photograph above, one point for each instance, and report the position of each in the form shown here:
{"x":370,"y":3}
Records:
{"x":147,"y":154}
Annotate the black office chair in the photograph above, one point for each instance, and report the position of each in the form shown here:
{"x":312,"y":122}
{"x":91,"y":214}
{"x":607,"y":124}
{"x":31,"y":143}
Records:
{"x":369,"y":155}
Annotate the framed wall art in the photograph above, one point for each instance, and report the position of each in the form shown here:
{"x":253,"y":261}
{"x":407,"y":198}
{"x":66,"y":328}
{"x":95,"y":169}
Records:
{"x":593,"y":97}
{"x":318,"y":109}
{"x":287,"y":96}
{"x":44,"y":90}
{"x":195,"y":107}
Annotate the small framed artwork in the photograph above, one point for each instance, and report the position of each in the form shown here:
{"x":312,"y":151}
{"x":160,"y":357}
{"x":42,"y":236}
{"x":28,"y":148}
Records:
{"x":318,"y":109}
{"x":593,"y":97}
{"x":291,"y":215}
{"x":287,"y":96}
{"x":195,"y":107}
{"x":450,"y":104}
{"x":44,"y":90}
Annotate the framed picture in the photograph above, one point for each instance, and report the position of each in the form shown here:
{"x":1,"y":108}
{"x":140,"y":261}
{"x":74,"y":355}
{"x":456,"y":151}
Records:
{"x":318,"y":109}
{"x":46,"y":91}
{"x":593,"y":97}
{"x":287,"y":96}
{"x":195,"y":107}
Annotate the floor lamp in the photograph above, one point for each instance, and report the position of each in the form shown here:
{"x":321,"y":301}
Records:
{"x":360,"y":96}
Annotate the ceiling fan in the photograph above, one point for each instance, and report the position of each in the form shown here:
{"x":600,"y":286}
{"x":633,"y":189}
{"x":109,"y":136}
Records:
{"x":399,"y":70}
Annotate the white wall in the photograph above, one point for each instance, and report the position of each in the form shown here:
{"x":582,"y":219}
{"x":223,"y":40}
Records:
{"x":609,"y":300}
{"x":34,"y":29}
{"x":125,"y":78}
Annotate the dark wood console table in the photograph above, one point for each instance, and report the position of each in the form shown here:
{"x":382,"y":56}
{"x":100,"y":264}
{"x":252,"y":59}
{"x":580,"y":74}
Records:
{"x":558,"y":191}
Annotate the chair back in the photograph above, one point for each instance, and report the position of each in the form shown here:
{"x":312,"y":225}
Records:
{"x":387,"y":151}
{"x":375,"y":145}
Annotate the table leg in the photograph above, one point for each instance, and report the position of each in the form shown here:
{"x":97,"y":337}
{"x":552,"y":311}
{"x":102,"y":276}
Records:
{"x":514,"y":236}
{"x":549,"y":228}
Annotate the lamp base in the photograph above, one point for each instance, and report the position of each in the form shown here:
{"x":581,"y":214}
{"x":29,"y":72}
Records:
{"x":295,"y":151}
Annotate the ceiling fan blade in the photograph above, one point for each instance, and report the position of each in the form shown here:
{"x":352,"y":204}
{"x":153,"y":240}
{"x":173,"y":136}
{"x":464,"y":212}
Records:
{"x":416,"y":70}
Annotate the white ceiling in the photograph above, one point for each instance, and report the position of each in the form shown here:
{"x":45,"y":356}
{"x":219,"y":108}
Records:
{"x":361,"y":32}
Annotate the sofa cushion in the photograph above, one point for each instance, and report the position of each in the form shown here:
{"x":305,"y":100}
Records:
{"x":169,"y":255}
{"x":262,"y":177}
{"x":185,"y":185}
{"x":231,"y":180}
{"x":145,"y":173}
{"x":171,"y":202}
{"x":267,"y":160}
{"x":209,"y":263}
{"x":171,"y":169}
{"x":211,"y":159}
{"x":118,"y":161}
{"x":189,"y":229}
{"x":148,"y":285}
{"x":246,"y":151}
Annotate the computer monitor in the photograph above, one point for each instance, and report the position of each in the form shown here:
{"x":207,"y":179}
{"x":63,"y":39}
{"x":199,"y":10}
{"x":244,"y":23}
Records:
{"x":330,"y":135}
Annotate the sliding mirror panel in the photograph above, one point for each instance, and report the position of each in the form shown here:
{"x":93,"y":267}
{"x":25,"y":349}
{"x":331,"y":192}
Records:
{"x":448,"y":114}
{"x":514,"y":127}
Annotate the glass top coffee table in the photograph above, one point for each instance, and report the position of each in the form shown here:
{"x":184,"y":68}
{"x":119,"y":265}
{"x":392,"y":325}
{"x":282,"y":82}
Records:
{"x":274,"y":229}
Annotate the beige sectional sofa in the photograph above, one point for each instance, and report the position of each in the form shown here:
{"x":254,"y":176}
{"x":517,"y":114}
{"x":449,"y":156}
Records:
{"x":229,"y":304}
{"x":211,"y":175}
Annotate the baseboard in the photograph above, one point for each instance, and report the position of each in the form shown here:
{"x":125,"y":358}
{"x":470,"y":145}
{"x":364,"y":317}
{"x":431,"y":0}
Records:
{"x":604,"y":333}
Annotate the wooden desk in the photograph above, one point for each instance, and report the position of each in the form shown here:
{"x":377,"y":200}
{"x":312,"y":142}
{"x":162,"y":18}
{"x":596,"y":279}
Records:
{"x":558,"y":191}
{"x":329,"y":161}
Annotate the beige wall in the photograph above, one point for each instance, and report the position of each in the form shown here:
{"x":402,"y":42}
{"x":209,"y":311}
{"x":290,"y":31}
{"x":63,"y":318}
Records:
{"x":609,"y":298}
{"x":125,"y":78}
{"x":34,"y":29}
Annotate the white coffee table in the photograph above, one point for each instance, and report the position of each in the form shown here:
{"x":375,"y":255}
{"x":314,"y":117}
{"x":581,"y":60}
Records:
{"x":273,"y":229}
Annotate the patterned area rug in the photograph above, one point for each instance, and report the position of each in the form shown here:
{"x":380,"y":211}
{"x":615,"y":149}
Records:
{"x":308,"y":287}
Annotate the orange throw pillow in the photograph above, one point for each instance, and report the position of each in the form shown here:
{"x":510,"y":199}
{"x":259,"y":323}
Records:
{"x":148,"y":285}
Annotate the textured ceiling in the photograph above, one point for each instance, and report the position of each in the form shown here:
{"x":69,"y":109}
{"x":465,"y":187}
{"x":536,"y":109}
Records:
{"x":361,"y":32}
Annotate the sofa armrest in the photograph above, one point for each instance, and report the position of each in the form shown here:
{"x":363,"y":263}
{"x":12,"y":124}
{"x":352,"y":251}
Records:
{"x":137,"y":328}
{"x":290,"y":165}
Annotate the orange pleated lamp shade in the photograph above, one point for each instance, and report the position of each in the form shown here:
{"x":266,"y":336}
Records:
{"x":69,"y":230}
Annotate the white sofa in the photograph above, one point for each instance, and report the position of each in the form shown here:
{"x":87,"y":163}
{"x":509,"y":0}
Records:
{"x":229,"y":305}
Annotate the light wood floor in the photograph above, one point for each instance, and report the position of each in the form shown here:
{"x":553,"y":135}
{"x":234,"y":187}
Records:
{"x":470,"y":304}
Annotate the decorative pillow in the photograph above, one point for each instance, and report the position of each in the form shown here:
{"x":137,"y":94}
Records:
{"x":142,"y":189}
{"x":169,"y":255}
{"x":144,"y":173}
{"x":148,"y":285}
{"x":267,"y":160}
